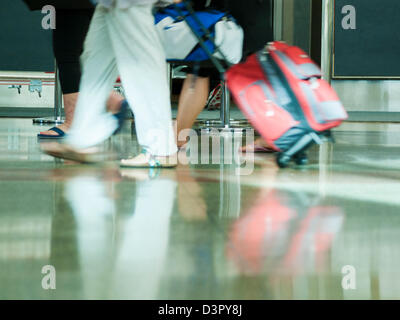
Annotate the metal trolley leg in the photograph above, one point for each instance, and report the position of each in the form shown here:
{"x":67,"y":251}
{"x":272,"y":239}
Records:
{"x":328,"y":12}
{"x":225,"y":122}
{"x":57,"y":118}
{"x":225,"y":107}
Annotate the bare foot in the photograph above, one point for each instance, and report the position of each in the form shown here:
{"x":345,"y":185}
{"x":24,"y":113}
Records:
{"x":260,"y":145}
{"x":181,"y":144}
{"x":68,"y":152}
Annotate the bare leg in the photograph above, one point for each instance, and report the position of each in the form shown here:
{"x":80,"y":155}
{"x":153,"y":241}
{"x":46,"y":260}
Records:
{"x":113,"y":105}
{"x":69,"y":109}
{"x":114,"y":102}
{"x":192,"y":101}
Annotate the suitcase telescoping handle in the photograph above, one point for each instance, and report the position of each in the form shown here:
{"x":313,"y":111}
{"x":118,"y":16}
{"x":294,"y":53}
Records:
{"x":221,"y":69}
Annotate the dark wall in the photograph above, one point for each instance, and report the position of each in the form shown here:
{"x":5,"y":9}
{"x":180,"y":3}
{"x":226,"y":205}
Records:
{"x":25,"y":46}
{"x":302,"y":24}
{"x":373,"y":48}
{"x":316,"y":27}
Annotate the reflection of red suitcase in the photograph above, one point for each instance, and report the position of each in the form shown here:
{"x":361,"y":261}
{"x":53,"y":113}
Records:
{"x":284,"y":231}
{"x":281,"y":92}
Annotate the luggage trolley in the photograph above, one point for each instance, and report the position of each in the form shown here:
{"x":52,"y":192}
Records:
{"x":57,"y":118}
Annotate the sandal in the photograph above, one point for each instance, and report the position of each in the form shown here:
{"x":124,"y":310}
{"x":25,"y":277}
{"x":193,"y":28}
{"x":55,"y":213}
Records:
{"x":60,"y":134}
{"x":147,"y":160}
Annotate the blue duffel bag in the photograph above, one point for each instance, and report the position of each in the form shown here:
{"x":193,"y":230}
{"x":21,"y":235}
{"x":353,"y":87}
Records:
{"x":180,"y":42}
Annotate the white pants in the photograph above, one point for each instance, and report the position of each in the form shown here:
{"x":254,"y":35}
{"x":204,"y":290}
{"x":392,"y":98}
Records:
{"x":124,"y":42}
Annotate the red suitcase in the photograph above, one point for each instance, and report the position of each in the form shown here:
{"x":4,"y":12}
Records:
{"x":281,"y":92}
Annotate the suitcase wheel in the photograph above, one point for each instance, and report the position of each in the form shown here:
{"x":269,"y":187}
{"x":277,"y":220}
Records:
{"x":301,"y":159}
{"x":283,"y":160}
{"x":297,"y":151}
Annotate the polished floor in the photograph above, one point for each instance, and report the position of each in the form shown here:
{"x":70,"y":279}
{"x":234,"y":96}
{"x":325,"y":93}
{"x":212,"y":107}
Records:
{"x":329,"y":230}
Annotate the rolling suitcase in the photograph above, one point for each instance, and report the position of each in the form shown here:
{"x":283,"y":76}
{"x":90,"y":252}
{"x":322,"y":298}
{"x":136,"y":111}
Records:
{"x":281,"y":92}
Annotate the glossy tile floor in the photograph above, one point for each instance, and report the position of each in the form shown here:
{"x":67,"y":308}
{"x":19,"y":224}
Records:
{"x":202,"y":231}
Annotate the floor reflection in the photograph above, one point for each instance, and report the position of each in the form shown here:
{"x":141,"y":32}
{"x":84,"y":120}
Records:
{"x":140,"y":260}
{"x":284,"y":233}
{"x":200,"y":231}
{"x":121,"y":257}
{"x":94,"y":214}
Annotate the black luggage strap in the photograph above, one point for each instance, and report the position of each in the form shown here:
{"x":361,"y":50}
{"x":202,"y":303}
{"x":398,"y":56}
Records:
{"x":273,"y":77}
{"x":221,"y":69}
{"x":278,"y":81}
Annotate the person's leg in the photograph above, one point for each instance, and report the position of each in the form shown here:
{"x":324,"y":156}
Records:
{"x":92,"y":124}
{"x":70,"y":100}
{"x":192,"y":101}
{"x":114,"y":102}
{"x":142,"y":64}
{"x":69,"y":108}
{"x":68,"y":40}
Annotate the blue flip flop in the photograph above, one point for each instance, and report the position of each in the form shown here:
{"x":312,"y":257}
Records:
{"x":121,"y":116}
{"x":60,"y":134}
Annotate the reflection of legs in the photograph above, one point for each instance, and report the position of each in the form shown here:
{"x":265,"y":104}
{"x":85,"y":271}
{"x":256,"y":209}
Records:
{"x":93,"y":210}
{"x":192,"y":101}
{"x":140,"y":262}
{"x":191,"y":203}
{"x":142,"y":65}
{"x":92,"y":124}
